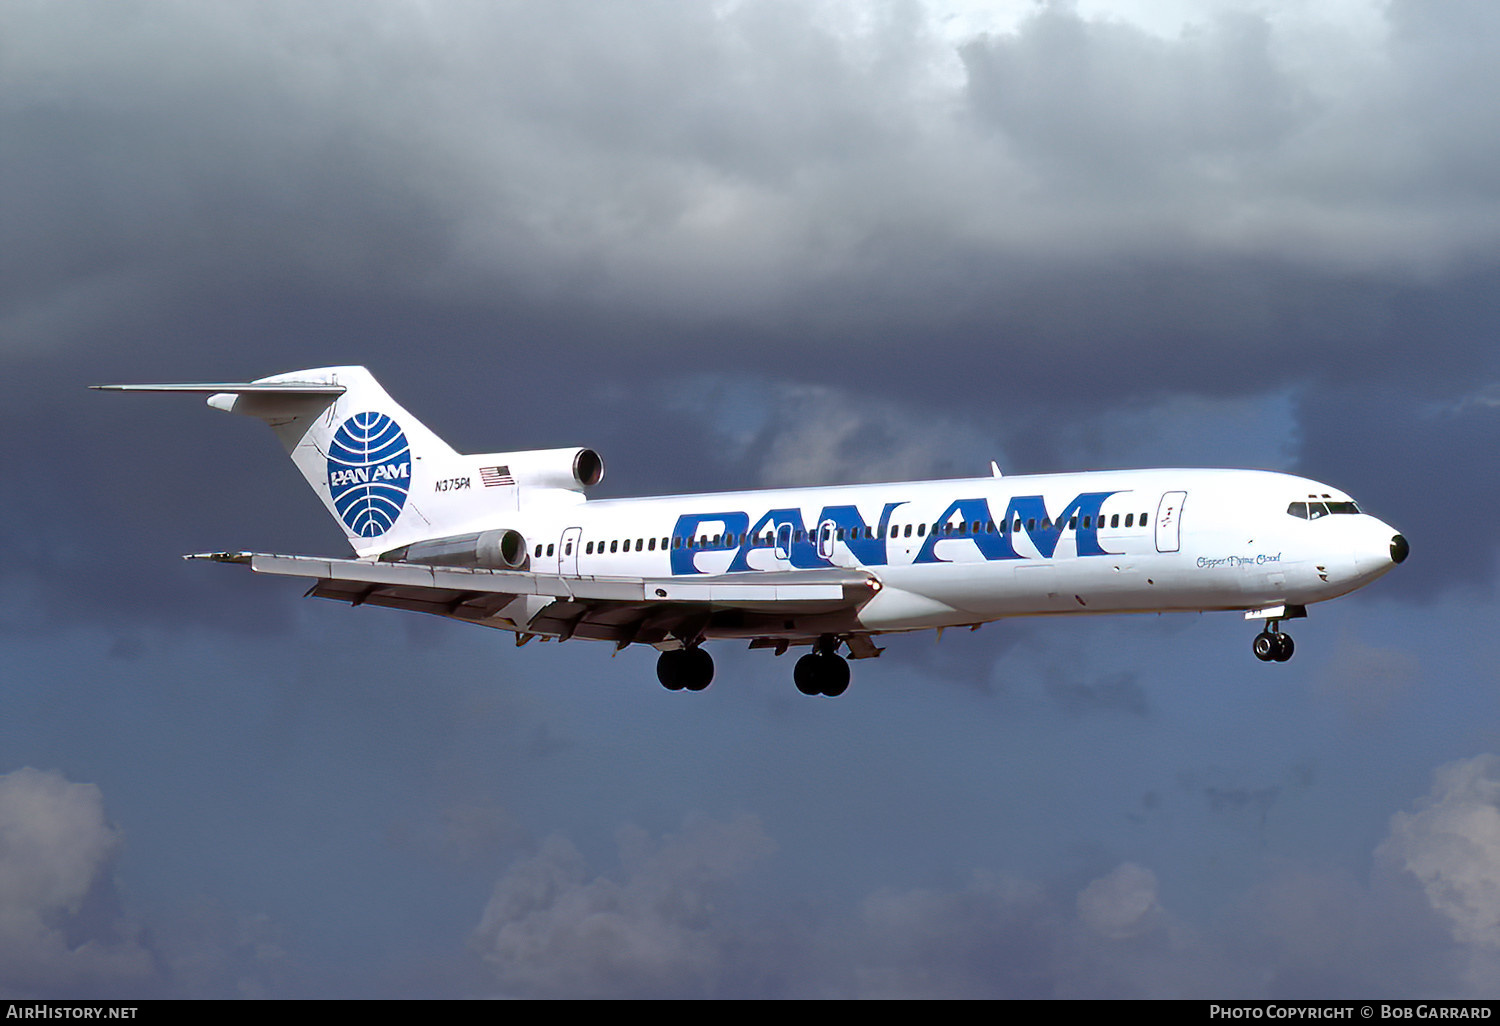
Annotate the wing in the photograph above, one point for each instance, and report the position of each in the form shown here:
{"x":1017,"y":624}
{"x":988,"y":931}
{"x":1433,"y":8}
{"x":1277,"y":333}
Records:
{"x":785,"y":605}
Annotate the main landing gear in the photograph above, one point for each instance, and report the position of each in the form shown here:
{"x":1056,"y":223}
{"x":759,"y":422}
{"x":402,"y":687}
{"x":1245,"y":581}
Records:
{"x":822,"y":671}
{"x":685,"y":669}
{"x":1273,"y":646}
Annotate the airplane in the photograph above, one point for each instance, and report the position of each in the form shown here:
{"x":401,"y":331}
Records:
{"x":510,"y":540}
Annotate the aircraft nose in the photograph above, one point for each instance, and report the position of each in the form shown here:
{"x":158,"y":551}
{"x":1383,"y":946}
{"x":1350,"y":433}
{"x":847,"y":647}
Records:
{"x":1399,"y":549}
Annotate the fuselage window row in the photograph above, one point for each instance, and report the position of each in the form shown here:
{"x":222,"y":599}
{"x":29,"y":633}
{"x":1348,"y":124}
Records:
{"x":768,"y":540}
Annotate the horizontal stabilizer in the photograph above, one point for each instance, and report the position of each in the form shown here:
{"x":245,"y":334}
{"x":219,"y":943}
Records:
{"x":235,"y":388}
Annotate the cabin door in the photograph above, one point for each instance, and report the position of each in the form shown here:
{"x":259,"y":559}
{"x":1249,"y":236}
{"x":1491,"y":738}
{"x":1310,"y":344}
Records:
{"x":1169,"y":522}
{"x":567,"y":552}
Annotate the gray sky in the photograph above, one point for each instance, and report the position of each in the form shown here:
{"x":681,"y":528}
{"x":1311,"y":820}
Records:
{"x":743,"y":244}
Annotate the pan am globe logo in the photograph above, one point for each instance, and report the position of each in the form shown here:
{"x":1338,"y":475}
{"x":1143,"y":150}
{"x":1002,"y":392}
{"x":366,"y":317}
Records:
{"x":369,"y":473}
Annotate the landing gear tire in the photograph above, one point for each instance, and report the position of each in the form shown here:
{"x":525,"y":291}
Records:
{"x":669,"y":670}
{"x":1273,"y":646}
{"x":1284,"y":648}
{"x":685,"y":669}
{"x":821,"y":673}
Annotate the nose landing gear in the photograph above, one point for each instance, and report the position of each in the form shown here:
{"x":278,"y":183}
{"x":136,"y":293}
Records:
{"x":1273,"y":646}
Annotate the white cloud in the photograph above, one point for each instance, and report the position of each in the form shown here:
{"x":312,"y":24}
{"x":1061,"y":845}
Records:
{"x":553,"y":930}
{"x":1120,"y":904}
{"x":1451,"y":845}
{"x":57,"y":933}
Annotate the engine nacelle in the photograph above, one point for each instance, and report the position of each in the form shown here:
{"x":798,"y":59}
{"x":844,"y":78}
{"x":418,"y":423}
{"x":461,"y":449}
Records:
{"x":503,"y":549}
{"x":572,"y":469}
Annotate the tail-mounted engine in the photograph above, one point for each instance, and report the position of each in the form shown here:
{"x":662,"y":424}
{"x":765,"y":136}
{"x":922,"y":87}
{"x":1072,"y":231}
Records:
{"x":571,"y":469}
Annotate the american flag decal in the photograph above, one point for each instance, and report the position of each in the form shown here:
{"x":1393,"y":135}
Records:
{"x":495,"y":477}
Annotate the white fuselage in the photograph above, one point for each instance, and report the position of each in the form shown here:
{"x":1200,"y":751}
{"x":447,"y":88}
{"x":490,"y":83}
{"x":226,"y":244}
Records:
{"x":971,"y":550}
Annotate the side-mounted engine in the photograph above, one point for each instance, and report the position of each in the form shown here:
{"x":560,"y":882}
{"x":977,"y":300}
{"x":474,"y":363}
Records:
{"x":502,"y":549}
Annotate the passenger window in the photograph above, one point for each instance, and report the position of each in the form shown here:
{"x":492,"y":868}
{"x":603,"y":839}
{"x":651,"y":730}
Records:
{"x":539,"y":548}
{"x":1031,"y":524}
{"x":614,"y":545}
{"x":1142,"y":519}
{"x":1129,"y":519}
{"x":921,"y":529}
{"x":1072,"y":523}
{"x":549,"y":550}
{"x":568,"y":549}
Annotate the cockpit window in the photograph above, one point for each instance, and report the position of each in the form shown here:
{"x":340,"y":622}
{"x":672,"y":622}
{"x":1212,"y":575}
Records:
{"x":1314,"y":510}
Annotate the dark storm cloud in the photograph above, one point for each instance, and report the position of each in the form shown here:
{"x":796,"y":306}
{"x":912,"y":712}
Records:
{"x":1077,"y":209}
{"x":1113,"y":111}
{"x":1078,"y":189}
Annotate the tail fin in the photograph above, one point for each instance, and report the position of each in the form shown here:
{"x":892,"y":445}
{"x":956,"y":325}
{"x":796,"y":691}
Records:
{"x":354,"y":444}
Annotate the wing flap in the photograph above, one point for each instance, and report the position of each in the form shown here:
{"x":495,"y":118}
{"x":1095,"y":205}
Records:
{"x":352,"y":580}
